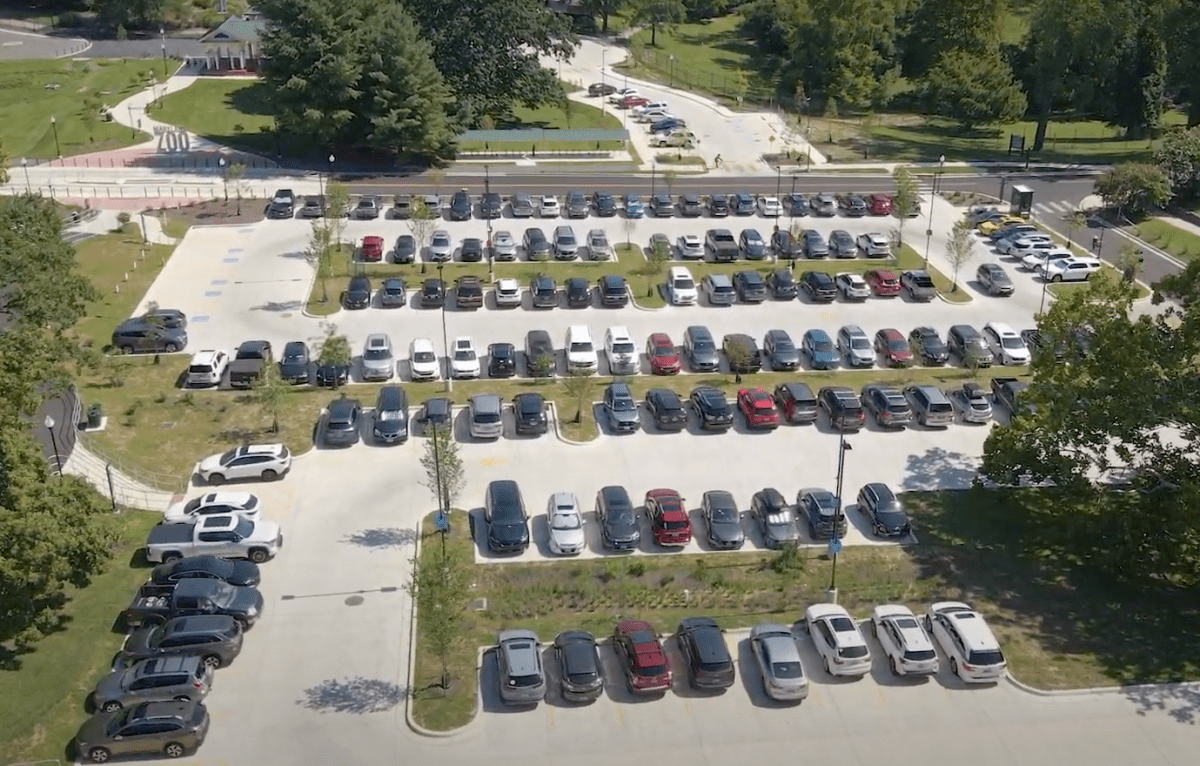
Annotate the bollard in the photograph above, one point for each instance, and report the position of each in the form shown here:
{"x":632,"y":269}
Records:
{"x":127,"y":276}
{"x":117,"y":289}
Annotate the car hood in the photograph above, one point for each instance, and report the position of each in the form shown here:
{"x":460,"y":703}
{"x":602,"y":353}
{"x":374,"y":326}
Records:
{"x":94,"y":730}
{"x":622,"y":530}
{"x":825,"y":356}
{"x":211,"y":463}
{"x":264,"y":532}
{"x":293,"y":366}
{"x":247,"y":601}
{"x":625,"y":416}
{"x":138,"y":643}
{"x":567,"y":537}
{"x":783,"y":531}
{"x":787,"y":354}
{"x":513,"y":532}
{"x":726,"y":530}
{"x":109,"y":687}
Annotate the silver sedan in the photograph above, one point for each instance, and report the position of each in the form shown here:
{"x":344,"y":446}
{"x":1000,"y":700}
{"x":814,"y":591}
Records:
{"x":778,"y":660}
{"x":504,"y":247}
{"x":441,"y":247}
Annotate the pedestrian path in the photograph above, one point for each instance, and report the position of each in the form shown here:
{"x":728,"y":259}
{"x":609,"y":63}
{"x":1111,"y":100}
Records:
{"x":114,"y":483}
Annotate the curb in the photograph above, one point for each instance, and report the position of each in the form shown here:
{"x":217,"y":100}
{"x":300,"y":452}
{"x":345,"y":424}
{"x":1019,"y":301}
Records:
{"x":558,"y":430}
{"x":1097,"y":690}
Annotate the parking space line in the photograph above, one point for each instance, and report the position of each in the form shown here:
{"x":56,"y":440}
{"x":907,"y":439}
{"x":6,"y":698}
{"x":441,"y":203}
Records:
{"x":549,"y":716}
{"x":619,"y":709}
{"x":687,"y":707}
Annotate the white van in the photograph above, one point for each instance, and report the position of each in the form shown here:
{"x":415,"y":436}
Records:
{"x":681,"y":286}
{"x":207,"y":368}
{"x":580,"y":351}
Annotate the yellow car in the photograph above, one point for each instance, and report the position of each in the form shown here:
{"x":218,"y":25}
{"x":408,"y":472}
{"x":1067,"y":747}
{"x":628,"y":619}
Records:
{"x":991,"y":225}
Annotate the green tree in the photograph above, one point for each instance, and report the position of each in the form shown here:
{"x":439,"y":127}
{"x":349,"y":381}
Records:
{"x":1060,"y":35}
{"x":1129,"y":88}
{"x":489,"y":51}
{"x":657,"y":14}
{"x":938,"y":27}
{"x":271,"y":392}
{"x":320,"y":253}
{"x":542,"y":367}
{"x":441,"y":457}
{"x":578,"y":387}
{"x":847,"y":50}
{"x":420,"y":223}
{"x":3,"y":163}
{"x":356,"y":73}
{"x":128,"y":13}
{"x":337,"y":206}
{"x":57,"y":533}
{"x":904,"y":199}
{"x":234,"y":173}
{"x":1183,"y":29}
{"x":960,"y":248}
{"x":1134,"y":188}
{"x":974,"y":89}
{"x":604,"y":9}
{"x":440,"y":588}
{"x":699,"y":10}
{"x":333,"y":349}
{"x":655,"y":265}
{"x":1179,"y":158}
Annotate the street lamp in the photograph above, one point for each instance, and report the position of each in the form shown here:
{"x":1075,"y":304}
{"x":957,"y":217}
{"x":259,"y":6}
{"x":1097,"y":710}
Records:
{"x":778,"y":177}
{"x":445,"y":338}
{"x":49,"y":423}
{"x":603,"y":95}
{"x":672,"y":65}
{"x":653,"y":166}
{"x":487,"y":189}
{"x":25,"y":164}
{"x":835,"y":543}
{"x":224,"y":177}
{"x":163,"y":35}
{"x":792,"y":203}
{"x":932,"y":191}
{"x":54,"y":125}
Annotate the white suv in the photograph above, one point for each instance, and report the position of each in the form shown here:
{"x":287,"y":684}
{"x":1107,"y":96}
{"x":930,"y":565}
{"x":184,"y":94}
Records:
{"x":581,"y":352}
{"x":508,"y":292}
{"x":1006,"y":344}
{"x":423,"y":360}
{"x":681,"y":286}
{"x":207,"y":368}
{"x":377,"y":362}
{"x":254,"y":461}
{"x":905,"y":643}
{"x":974,"y":653}
{"x":464,"y":359}
{"x":621,"y":352}
{"x":838,"y":640}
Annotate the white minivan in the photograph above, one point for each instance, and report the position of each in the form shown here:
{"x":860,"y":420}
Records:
{"x":580,"y":351}
{"x":681,"y":286}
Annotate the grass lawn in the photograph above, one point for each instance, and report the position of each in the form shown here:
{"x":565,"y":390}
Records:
{"x":232,"y":112}
{"x":42,"y":700}
{"x":1004,"y":551}
{"x":1182,"y":244}
{"x":25,"y":129}
{"x":106,"y":260}
{"x":576,"y":116}
{"x":1106,"y":273}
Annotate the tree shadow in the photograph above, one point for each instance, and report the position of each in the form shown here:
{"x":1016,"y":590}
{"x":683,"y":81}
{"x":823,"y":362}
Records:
{"x":357,"y":695}
{"x":255,"y":99}
{"x":382,"y":537}
{"x":940,"y":468}
{"x":1180,"y":701}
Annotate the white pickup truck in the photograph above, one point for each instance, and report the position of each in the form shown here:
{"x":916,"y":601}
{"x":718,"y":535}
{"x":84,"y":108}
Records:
{"x":225,"y":536}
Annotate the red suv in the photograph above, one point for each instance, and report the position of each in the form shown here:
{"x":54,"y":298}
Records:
{"x":669,"y":519}
{"x":372,"y":248}
{"x":883,"y":283}
{"x":894,"y":347}
{"x":758,"y":407}
{"x":880,"y":204}
{"x":641,"y":653}
{"x":631,"y":101}
{"x":664,"y":359}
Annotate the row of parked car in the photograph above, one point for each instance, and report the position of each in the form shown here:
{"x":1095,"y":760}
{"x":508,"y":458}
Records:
{"x":185,"y":622}
{"x":461,"y":206}
{"x":906,"y":643}
{"x":817,"y":510}
{"x":1032,"y":248}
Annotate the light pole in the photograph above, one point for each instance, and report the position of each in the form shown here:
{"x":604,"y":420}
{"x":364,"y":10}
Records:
{"x":331,"y":158}
{"x":1045,"y":280}
{"x":49,"y":423}
{"x":835,"y":543}
{"x":25,"y":164}
{"x":603,"y":95}
{"x":54,"y":126}
{"x":808,"y":131}
{"x":487,"y":189}
{"x":653,"y":167}
{"x":932,"y":192}
{"x":778,"y":177}
{"x":163,"y":36}
{"x":445,"y":338}
{"x":224,"y":178}
{"x":672,"y":65}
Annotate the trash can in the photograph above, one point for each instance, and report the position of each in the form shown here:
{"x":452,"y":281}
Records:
{"x":94,"y":416}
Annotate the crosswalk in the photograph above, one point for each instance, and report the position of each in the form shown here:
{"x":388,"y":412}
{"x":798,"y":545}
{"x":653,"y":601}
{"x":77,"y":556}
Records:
{"x":1053,"y":208}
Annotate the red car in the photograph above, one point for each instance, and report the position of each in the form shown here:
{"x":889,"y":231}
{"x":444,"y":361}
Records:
{"x":883,"y":283}
{"x":880,"y":204}
{"x":641,"y":653}
{"x":630,"y":102}
{"x":372,"y":248}
{"x":664,"y":359}
{"x":669,"y":519}
{"x":894,"y":347}
{"x":758,"y":407}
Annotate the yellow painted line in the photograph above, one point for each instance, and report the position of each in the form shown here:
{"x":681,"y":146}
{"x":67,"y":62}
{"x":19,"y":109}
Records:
{"x":549,"y":716}
{"x":493,"y":461}
{"x":882,"y":696}
{"x":619,"y":710}
{"x":687,"y":707}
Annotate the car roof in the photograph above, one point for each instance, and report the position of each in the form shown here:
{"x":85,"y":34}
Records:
{"x":661,"y":339}
{"x":199,"y":623}
{"x":206,"y":357}
{"x":720,"y":280}
{"x":342,"y":407}
{"x":720,"y":498}
{"x":620,"y":388}
{"x":486,"y":402}
{"x":564,"y":500}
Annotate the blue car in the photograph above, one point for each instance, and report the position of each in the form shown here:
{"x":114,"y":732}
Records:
{"x":819,"y":349}
{"x":633,"y":206}
{"x":667,"y":123}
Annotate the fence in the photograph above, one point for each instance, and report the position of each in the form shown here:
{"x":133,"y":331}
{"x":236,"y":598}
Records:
{"x":732,"y":86}
{"x":180,"y":160}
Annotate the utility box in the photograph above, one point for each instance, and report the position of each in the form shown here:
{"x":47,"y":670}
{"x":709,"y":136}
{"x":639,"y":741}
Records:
{"x":1021,"y":201}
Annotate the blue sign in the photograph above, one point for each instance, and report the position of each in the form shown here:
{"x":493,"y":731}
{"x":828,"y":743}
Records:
{"x":835,"y":546}
{"x":441,"y":522}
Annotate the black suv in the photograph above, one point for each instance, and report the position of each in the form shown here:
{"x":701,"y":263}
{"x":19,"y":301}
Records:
{"x":661,"y":206}
{"x":819,"y":286}
{"x":539,"y":346}
{"x":529,"y":411}
{"x":283,"y":204}
{"x":358,"y":292}
{"x":216,"y":638}
{"x":926,"y":343}
{"x":537,"y":247}
{"x":504,"y":511}
{"x":843,"y":406}
{"x":341,"y":425}
{"x":139,"y":335}
{"x":690,"y":206}
{"x":750,"y":286}
{"x":613,"y":291}
{"x":471,"y":251}
{"x":782,"y":285}
{"x":293,"y":363}
{"x":784,"y":245}
{"x":502,"y":360}
{"x":491,"y":205}
{"x":618,"y":522}
{"x":666,"y":408}
{"x":712,"y":407}
{"x":579,"y":292}
{"x":718,"y":205}
{"x":970,"y":346}
{"x":543,"y":292}
{"x":605,"y":204}
{"x":460,"y":206}
{"x":391,"y":415}
{"x":433,"y":293}
{"x":704,"y":650}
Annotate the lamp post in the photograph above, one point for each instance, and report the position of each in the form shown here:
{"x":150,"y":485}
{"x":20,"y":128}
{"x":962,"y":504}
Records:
{"x":603,"y":95}
{"x":792,"y":203}
{"x":445,"y":338}
{"x":49,"y":423}
{"x":1045,"y":280}
{"x":672,"y":66}
{"x":487,"y":189}
{"x":224,"y":177}
{"x":54,"y":126}
{"x":835,"y":543}
{"x":653,"y":167}
{"x":25,"y":164}
{"x":932,"y":192}
{"x":778,"y":177}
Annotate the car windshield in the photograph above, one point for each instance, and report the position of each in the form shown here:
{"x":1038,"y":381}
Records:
{"x":897,"y":344}
{"x":377,"y":353}
{"x":1012,"y":341}
{"x":822,"y":345}
{"x":581,"y":347}
{"x":464,"y":355}
{"x":228,"y":457}
{"x":652,"y":670}
{"x":891,"y":517}
{"x":675,"y":525}
{"x":786,"y":670}
{"x":623,"y":347}
{"x":222,"y":593}
{"x":423,"y":356}
{"x":565,"y":521}
{"x":440,"y":241}
{"x":664,"y":350}
{"x":487,"y":417}
{"x":244,"y":528}
{"x":859,"y":342}
{"x":724,"y":515}
{"x":683,"y":283}
{"x":390,"y":415}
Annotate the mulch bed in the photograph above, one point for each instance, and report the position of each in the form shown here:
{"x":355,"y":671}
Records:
{"x":218,"y":212}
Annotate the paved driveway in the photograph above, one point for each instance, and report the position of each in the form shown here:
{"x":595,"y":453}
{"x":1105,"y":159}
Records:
{"x":27,"y":45}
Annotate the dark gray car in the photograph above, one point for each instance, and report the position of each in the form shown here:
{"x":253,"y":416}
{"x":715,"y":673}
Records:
{"x":701,"y":349}
{"x":621,"y":408}
{"x":822,"y":513}
{"x":778,"y":346}
{"x":578,"y":666}
{"x":138,"y":335}
{"x":173,"y":729}
{"x":618,"y":522}
{"x":216,"y":639}
{"x":842,"y":245}
{"x":709,"y":663}
{"x":994,"y":279}
{"x":723,"y":520}
{"x":522,"y":680}
{"x":341,"y":424}
{"x":391,"y":416}
{"x":775,"y":520}
{"x":815,"y":245}
{"x":153,"y":680}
